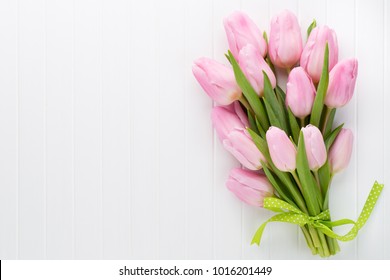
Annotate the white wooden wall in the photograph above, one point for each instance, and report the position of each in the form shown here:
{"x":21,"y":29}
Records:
{"x":107,"y":149}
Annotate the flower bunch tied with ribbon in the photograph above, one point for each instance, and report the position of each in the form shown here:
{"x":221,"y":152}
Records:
{"x":283,"y":135}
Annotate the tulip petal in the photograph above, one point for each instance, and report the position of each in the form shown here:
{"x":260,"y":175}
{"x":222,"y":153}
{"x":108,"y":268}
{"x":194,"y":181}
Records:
{"x":282,"y":150}
{"x":313,"y":52}
{"x":217,"y":80}
{"x":341,"y":150}
{"x":315,"y":147}
{"x":240,"y":31}
{"x":225,"y":121}
{"x":243,"y":149}
{"x":285,"y":42}
{"x":249,"y":186}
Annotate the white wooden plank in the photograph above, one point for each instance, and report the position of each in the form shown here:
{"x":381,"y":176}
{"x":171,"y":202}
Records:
{"x":88,"y":129}
{"x":198,"y":135}
{"x":116,"y":130}
{"x":144,"y":95}
{"x":284,"y":240}
{"x":386,"y":123}
{"x":259,"y":11}
{"x":172,"y":192}
{"x":9,"y":131}
{"x":276,"y":6}
{"x":370,"y":132}
{"x":253,"y":217}
{"x":59,"y":122}
{"x":32,"y":220}
{"x":342,"y":20}
{"x":227,"y":208}
{"x":309,"y":10}
{"x":145,"y":158}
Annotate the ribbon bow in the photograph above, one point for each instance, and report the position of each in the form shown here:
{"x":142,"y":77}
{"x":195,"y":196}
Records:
{"x":322,"y":220}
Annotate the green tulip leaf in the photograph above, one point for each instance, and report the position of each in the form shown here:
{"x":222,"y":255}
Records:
{"x":318,"y":105}
{"x":252,"y":123}
{"x":293,"y":125}
{"x":265,"y":36}
{"x":281,"y":97}
{"x":280,"y":93}
{"x":324,"y":176}
{"x":286,"y":179}
{"x":271,"y":99}
{"x":311,"y":27}
{"x":274,"y":120}
{"x":278,"y":186}
{"x":260,"y":128}
{"x":309,"y":188}
{"x":249,"y":92}
{"x":329,"y":123}
{"x":332,"y":136}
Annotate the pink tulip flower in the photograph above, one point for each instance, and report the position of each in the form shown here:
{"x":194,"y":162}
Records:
{"x":285,"y":40}
{"x":341,"y":151}
{"x":342,"y":80}
{"x":312,"y":58}
{"x":253,"y":65}
{"x":225,"y":121}
{"x":300,"y":93}
{"x":250,"y":187}
{"x":282,"y":150}
{"x":315,"y":147}
{"x":241,"y":146}
{"x":217,"y":80}
{"x":236,"y":108}
{"x":232,"y":132}
{"x":240,"y":31}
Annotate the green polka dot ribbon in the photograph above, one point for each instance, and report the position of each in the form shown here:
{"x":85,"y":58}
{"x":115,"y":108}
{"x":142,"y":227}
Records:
{"x":291,"y":214}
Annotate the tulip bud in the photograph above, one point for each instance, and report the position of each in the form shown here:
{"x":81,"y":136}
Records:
{"x":285,"y":40}
{"x":342,"y":81}
{"x":250,"y":187}
{"x":300,"y":93}
{"x":312,"y":58}
{"x":341,"y":151}
{"x":217,"y":80}
{"x":282,"y":150}
{"x":315,"y":147}
{"x":236,"y":108}
{"x":240,"y":31}
{"x":253,"y":65}
{"x":241,"y":146}
{"x":232,"y":132}
{"x":225,"y":121}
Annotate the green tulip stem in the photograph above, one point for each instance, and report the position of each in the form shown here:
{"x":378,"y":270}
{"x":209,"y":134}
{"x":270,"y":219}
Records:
{"x":325,"y":205}
{"x":316,"y":239}
{"x":318,"y":180}
{"x":324,"y":244}
{"x":331,"y":246}
{"x":308,"y":239}
{"x":246,"y":104}
{"x":302,"y":121}
{"x":326,"y":119}
{"x":295,"y":175}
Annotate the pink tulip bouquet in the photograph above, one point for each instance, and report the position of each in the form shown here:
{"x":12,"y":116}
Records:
{"x":285,"y":141}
